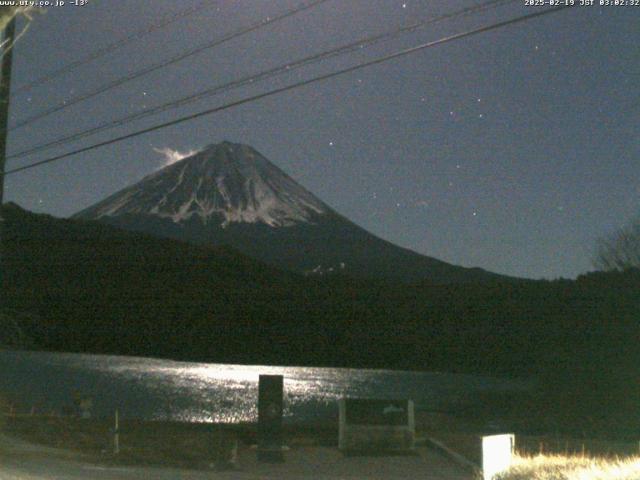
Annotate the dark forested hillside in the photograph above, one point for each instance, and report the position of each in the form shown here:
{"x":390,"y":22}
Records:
{"x":94,"y":288}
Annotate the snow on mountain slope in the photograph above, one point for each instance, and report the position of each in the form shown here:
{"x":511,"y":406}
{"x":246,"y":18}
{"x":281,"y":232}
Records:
{"x":224,"y":183}
{"x":229,"y":194}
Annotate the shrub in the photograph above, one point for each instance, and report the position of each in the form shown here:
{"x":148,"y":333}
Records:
{"x":558,"y":467}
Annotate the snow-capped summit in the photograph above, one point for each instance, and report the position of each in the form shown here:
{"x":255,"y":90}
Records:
{"x":224,"y":183}
{"x":229,"y":194}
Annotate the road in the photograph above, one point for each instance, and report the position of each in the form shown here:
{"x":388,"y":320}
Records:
{"x":22,"y":461}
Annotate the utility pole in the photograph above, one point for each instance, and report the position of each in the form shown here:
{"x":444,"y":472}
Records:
{"x":5,"y":90}
{"x":5,"y":86}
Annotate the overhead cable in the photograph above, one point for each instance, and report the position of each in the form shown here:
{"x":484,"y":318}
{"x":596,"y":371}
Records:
{"x":299,"y":84}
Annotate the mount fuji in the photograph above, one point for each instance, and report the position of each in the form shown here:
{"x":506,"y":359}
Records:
{"x":229,"y":194}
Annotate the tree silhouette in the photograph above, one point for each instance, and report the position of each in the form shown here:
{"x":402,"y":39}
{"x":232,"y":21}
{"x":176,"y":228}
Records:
{"x":621,"y":250}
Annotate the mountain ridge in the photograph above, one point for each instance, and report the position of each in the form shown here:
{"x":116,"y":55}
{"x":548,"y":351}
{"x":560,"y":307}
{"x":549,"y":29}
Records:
{"x":231,"y":180}
{"x":230,"y":194}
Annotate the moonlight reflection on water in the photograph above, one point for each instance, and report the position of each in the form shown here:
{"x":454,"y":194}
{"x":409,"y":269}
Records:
{"x":153,"y":389}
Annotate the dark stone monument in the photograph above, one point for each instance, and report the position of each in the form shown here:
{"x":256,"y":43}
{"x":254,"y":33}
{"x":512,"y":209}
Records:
{"x":270,"y":390}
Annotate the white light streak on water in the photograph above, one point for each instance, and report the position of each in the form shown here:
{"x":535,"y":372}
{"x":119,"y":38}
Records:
{"x":147,"y":388}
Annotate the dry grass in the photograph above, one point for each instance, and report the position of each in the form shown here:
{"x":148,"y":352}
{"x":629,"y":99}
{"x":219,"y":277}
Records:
{"x":559,"y":467}
{"x":141,"y":443}
{"x":171,"y":444}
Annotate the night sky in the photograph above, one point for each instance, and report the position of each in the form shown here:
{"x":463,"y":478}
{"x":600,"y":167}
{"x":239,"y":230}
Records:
{"x":512,"y":150}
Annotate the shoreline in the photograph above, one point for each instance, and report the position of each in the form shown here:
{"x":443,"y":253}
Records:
{"x":204,"y":448}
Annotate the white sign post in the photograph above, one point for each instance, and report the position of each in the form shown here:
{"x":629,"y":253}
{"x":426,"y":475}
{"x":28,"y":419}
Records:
{"x":116,"y":434}
{"x":497,"y":454}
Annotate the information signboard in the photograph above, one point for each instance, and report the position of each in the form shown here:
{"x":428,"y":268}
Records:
{"x":376,"y":425}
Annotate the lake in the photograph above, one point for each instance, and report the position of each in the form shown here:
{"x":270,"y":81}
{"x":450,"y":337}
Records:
{"x":155,"y":389}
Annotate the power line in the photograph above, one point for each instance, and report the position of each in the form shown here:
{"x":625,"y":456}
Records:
{"x":163,"y":64}
{"x":302,"y":83}
{"x":251,"y":79}
{"x":164,"y":22}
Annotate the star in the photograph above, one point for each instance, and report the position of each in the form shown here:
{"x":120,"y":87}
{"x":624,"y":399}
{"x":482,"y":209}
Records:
{"x":404,"y":5}
{"x":331,"y":144}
